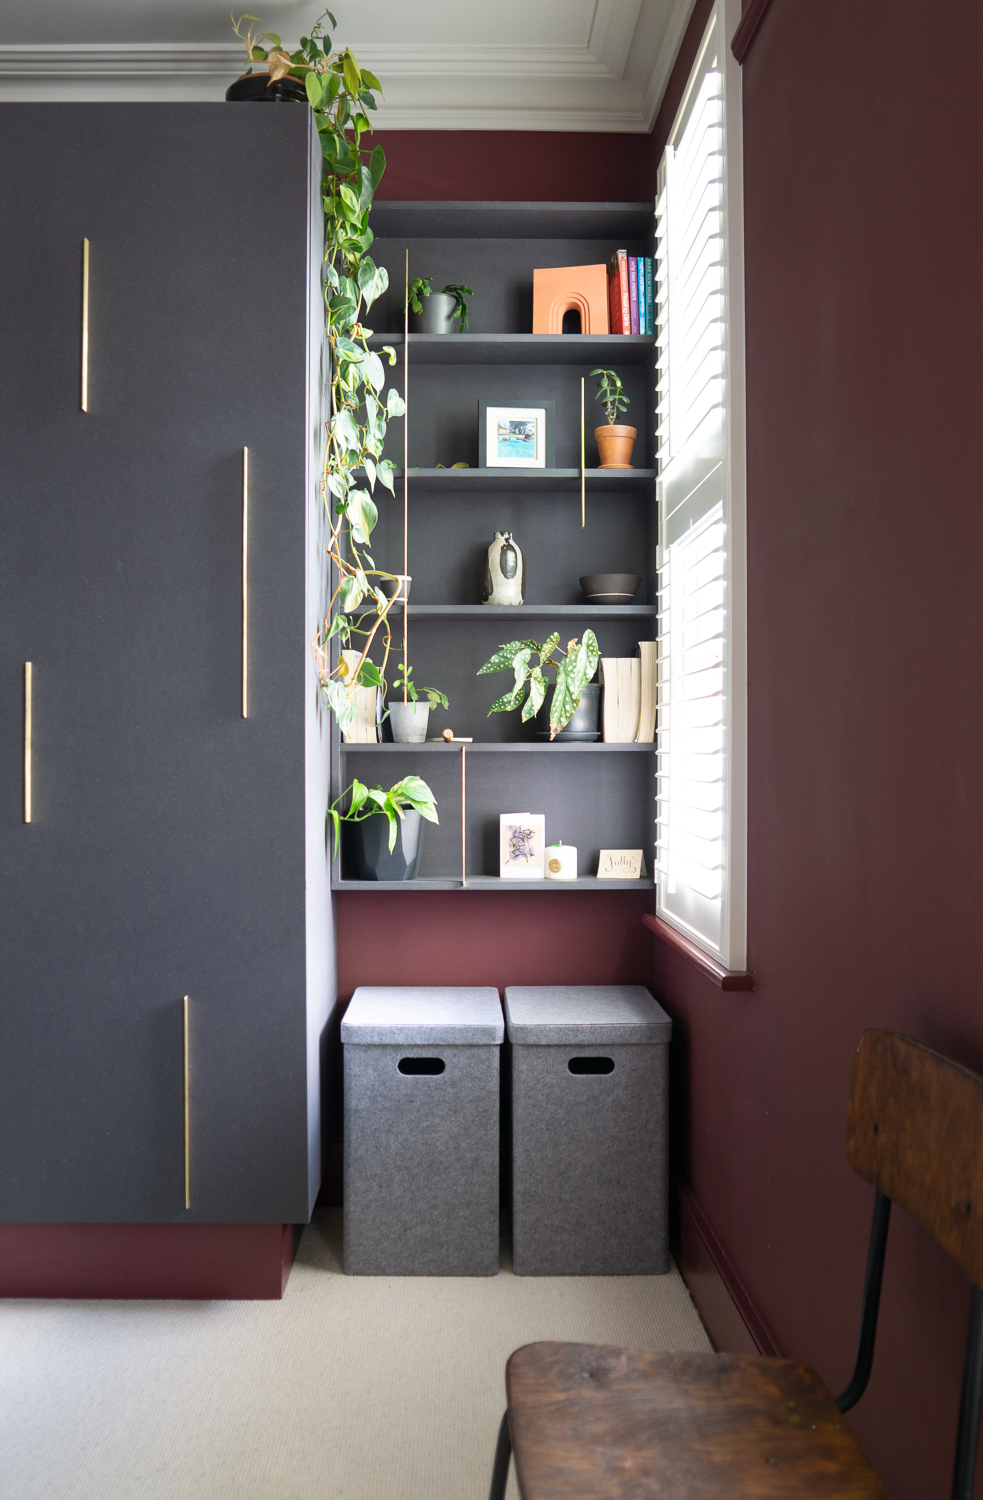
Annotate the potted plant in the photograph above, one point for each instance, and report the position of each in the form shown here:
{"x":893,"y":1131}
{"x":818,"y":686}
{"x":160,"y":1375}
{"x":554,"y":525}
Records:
{"x":409,"y":718}
{"x":384,"y":830}
{"x":573,"y":669}
{"x":437,"y":312}
{"x":282,"y":80}
{"x":614,"y":442}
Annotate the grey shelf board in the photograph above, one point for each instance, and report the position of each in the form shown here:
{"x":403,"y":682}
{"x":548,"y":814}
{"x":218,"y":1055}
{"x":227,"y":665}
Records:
{"x":495,"y":883}
{"x":512,"y":220}
{"x":520,"y":348}
{"x":553,"y":481}
{"x":543,"y":611}
{"x":498,"y":747}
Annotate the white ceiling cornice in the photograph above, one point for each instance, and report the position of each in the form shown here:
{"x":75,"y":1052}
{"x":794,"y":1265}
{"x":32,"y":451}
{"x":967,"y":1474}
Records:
{"x":614,"y":83}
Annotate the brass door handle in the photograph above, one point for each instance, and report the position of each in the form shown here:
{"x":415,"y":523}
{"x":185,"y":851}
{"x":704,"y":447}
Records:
{"x":187,"y":1115}
{"x":245,"y":582}
{"x":85,"y":325}
{"x":28,"y":687}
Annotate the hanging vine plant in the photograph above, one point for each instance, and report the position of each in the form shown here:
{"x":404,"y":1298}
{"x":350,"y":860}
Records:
{"x":342,"y":96}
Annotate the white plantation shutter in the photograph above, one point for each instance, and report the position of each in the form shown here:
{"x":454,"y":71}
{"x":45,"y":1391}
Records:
{"x":700,"y":778}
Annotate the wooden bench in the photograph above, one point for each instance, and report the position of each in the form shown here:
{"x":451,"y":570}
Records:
{"x":587,"y":1422}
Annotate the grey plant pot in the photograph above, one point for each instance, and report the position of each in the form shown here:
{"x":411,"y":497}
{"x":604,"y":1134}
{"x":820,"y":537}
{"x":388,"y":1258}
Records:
{"x":409,"y":722}
{"x":367,"y":847}
{"x":437,"y":315}
{"x":586,"y":722}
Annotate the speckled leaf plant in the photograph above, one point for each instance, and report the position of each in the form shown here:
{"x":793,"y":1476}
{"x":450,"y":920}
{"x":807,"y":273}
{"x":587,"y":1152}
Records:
{"x":341,"y":94}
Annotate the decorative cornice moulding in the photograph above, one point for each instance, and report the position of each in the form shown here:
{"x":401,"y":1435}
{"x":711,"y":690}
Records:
{"x":614,"y":83}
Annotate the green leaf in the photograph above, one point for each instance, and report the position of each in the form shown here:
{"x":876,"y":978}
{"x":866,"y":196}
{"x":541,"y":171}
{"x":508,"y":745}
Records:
{"x":413,"y":791}
{"x":537,"y":694}
{"x":370,"y":472}
{"x":548,"y":647}
{"x":315,"y":88}
{"x":572,"y":676}
{"x":504,"y":657}
{"x":350,"y":594}
{"x":340,"y":704}
{"x":336,"y":823}
{"x":395,"y":405}
{"x":377,"y":161}
{"x":506,"y":703}
{"x":369,"y":675}
{"x":353,"y":79}
{"x":374,"y":371}
{"x":371,"y":80}
{"x":331,"y":275}
{"x":258,"y":54}
{"x":359,"y":793}
{"x":344,"y":429}
{"x":384,"y":474}
{"x":271,"y":36}
{"x":363,"y":514}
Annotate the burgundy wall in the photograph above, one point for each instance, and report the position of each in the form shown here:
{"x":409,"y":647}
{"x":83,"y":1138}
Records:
{"x":864,"y":242}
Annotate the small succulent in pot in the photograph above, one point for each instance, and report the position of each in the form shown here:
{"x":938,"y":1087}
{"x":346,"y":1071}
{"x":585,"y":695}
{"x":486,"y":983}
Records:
{"x":573,"y":668}
{"x":615,"y":441}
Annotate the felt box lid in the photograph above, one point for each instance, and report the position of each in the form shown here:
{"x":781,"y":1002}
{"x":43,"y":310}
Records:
{"x":551,"y":1015}
{"x":423,"y":1015}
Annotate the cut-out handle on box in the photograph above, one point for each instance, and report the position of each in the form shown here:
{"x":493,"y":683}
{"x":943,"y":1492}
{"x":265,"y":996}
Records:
{"x":417,"y":1066}
{"x":591,"y":1064}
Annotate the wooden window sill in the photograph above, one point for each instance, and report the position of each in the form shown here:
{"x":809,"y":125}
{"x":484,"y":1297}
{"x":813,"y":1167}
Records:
{"x":724,"y":979}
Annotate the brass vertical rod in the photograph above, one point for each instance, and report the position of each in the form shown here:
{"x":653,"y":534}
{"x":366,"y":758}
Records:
{"x":245,"y":583}
{"x":583,"y":452}
{"x":464,"y":814}
{"x":28,"y":674}
{"x":187,"y":1118}
{"x":406,"y":469}
{"x":85,"y":325}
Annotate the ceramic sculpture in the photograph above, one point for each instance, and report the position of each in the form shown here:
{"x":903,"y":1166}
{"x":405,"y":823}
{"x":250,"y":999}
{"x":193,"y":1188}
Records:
{"x":505,"y":572}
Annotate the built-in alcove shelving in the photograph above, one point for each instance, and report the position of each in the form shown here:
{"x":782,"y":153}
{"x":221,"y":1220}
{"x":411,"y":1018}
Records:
{"x":593,"y":795}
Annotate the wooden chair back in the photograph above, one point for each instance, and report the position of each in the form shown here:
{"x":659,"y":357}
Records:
{"x":915,"y":1132}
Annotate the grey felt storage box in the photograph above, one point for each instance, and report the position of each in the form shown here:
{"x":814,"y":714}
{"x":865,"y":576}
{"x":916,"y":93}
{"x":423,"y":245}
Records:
{"x":422,"y":1083}
{"x":589,"y":1074}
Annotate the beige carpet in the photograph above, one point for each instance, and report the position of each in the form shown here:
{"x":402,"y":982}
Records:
{"x":349,"y":1389}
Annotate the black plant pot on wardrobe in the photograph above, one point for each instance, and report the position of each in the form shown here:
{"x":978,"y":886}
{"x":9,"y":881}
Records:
{"x":366,"y":846}
{"x":256,"y":88}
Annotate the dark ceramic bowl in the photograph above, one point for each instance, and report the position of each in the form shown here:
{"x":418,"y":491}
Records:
{"x":610,"y":588}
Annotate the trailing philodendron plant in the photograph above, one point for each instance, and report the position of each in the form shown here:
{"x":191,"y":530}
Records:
{"x":611,"y":395}
{"x":364,"y":802}
{"x":529,"y":661}
{"x":422,"y":286}
{"x":341,"y":94}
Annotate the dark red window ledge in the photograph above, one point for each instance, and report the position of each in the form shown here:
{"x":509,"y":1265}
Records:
{"x":724,"y":979}
{"x":754,"y":14}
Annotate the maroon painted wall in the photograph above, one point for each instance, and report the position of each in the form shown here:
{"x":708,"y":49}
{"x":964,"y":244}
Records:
{"x":864,"y":242}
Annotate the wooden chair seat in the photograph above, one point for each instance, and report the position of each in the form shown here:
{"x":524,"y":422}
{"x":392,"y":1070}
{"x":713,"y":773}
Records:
{"x":594,"y":1423}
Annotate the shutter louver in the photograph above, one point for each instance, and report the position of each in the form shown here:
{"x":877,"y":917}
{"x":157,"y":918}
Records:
{"x":699,"y":848}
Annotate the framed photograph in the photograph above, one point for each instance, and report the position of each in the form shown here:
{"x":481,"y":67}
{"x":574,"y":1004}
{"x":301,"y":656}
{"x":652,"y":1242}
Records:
{"x":522,"y":839}
{"x":515,"y":437}
{"x":621,"y":864}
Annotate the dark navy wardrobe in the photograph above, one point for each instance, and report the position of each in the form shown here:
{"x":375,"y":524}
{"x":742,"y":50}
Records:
{"x":175,"y":847}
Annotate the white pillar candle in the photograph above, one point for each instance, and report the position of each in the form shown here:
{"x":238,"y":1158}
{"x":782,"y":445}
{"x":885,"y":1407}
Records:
{"x":561,"y":862}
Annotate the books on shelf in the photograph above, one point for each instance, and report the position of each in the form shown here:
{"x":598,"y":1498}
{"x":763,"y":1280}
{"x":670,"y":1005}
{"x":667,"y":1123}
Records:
{"x":630,"y":696}
{"x":631,"y":283}
{"x":621,"y":677}
{"x":648,"y":664}
{"x":364,"y":728}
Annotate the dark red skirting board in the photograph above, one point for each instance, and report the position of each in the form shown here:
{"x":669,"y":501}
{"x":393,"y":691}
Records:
{"x":236,"y":1262}
{"x":730,"y":1317}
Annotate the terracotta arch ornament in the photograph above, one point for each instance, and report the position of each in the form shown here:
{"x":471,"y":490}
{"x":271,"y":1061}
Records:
{"x":562,"y":289}
{"x":750,"y":24}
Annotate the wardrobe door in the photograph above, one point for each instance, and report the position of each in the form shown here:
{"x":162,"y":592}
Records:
{"x":164,"y":857}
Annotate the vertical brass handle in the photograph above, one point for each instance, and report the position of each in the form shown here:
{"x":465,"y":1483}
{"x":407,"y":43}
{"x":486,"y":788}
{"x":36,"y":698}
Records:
{"x":245,"y":582}
{"x":28,"y":676}
{"x":85,"y":325}
{"x":187,"y":1125}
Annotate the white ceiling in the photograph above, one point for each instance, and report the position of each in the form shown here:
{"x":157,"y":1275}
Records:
{"x":517,"y":65}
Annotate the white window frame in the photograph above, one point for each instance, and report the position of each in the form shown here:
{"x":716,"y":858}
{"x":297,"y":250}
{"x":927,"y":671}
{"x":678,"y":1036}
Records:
{"x":692,"y":493}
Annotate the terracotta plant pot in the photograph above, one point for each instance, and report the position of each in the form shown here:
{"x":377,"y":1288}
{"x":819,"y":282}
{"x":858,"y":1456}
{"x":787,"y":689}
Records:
{"x":614,"y":445}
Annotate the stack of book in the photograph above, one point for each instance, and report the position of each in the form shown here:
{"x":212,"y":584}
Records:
{"x":631,"y":289}
{"x":630,"y":696}
{"x":364,"y":729}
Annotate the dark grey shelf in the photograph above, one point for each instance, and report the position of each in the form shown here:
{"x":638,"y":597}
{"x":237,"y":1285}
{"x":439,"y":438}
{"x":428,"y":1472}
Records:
{"x":550,"y":481}
{"x":520,"y":348}
{"x":542,"y":611}
{"x":493,"y":747}
{"x":495,"y":883}
{"x":512,"y":220}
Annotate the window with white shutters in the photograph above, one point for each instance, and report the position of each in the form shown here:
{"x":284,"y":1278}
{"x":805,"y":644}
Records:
{"x":701,"y":777}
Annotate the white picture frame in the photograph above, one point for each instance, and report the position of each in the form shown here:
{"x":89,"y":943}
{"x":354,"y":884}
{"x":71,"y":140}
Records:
{"x":515,"y":437}
{"x":521,"y":844}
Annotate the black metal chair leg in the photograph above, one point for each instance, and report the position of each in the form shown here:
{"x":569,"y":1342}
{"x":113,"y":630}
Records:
{"x":503,"y":1455}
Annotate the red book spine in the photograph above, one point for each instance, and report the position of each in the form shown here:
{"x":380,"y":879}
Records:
{"x":614,"y":295}
{"x":619,"y":268}
{"x":633,"y":292}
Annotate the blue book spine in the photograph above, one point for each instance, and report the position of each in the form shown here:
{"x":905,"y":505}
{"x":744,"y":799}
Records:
{"x":649,"y":295}
{"x":633,"y":291}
